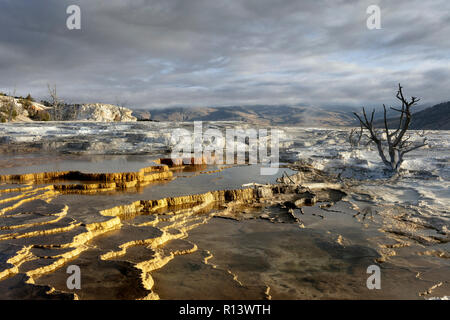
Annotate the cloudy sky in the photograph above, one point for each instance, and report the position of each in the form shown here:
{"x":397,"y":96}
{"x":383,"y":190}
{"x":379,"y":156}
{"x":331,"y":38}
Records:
{"x":159,"y":53}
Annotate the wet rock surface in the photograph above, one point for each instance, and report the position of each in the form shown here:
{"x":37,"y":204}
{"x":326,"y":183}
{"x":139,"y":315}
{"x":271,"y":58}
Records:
{"x":188,"y":232}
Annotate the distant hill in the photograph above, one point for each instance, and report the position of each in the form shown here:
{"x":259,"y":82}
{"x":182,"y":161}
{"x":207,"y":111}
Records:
{"x":432,"y":118}
{"x":260,"y":114}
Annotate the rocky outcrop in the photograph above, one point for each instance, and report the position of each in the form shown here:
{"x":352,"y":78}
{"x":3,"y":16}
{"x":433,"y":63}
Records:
{"x":14,"y":109}
{"x":97,"y":112}
{"x":17,"y":109}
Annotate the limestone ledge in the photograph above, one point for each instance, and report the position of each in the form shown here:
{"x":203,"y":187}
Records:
{"x":143,"y":174}
{"x":162,"y":170}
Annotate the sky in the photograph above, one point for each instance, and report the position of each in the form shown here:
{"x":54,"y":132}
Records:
{"x":162,"y":53}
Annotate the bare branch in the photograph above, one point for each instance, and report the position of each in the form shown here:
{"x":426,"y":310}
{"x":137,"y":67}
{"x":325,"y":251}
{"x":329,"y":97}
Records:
{"x":55,"y":102}
{"x":396,"y":143}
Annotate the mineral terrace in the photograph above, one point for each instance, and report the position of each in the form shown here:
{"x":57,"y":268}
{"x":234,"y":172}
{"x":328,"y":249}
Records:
{"x":190,"y":231}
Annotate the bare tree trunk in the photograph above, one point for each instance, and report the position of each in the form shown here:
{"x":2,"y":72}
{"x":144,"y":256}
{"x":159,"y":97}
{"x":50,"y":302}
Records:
{"x":75,"y":111}
{"x":121,"y":106}
{"x":11,"y":106}
{"x":396,"y":141}
{"x":55,"y":103}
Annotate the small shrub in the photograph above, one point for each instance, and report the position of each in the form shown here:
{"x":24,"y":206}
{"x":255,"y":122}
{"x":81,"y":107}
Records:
{"x":26,"y":103}
{"x":44,"y":116}
{"x":40,"y":116}
{"x":32,"y":114}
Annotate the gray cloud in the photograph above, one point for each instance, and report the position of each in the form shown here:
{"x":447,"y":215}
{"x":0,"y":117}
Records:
{"x":226,"y":52}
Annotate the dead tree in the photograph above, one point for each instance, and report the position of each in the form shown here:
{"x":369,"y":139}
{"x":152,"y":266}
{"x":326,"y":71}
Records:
{"x":122,"y":110}
{"x":12,"y":106}
{"x":354,"y":137}
{"x":55,"y":103}
{"x":392,"y":144}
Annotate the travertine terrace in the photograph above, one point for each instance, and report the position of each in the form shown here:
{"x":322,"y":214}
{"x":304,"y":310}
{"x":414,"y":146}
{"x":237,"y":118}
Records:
{"x":135,"y":235}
